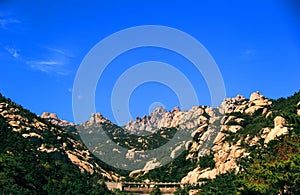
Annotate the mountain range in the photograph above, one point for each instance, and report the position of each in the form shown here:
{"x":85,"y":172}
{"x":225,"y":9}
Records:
{"x":245,"y":146}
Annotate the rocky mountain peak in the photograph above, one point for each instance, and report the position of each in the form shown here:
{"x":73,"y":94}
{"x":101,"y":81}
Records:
{"x":48,"y":115}
{"x":175,"y":110}
{"x":161,"y":118}
{"x":158,"y":112}
{"x":96,"y":118}
{"x":256,"y":96}
{"x":53,"y":118}
{"x":239,"y":98}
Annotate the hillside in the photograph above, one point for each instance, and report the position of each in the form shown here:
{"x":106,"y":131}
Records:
{"x":256,"y":150}
{"x":250,"y":138}
{"x":37,"y":157}
{"x":272,"y":164}
{"x":246,"y":146}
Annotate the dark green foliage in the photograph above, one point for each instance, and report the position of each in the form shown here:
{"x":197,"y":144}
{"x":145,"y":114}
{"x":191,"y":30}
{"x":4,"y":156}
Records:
{"x":288,"y":105}
{"x":182,"y":191}
{"x":155,"y":191}
{"x":227,"y":183}
{"x":261,"y":178}
{"x":207,"y":161}
{"x":149,"y":142}
{"x":119,"y":192}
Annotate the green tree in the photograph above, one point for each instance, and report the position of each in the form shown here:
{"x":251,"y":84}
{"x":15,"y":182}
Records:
{"x":181,"y":191}
{"x":156,"y":191}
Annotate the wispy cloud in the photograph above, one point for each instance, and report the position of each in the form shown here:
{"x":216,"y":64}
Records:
{"x":54,"y":61}
{"x":49,"y":60}
{"x":61,"y":51}
{"x":6,"y":22}
{"x":13,"y":51}
{"x":248,"y":52}
{"x":47,"y":63}
{"x":48,"y":66}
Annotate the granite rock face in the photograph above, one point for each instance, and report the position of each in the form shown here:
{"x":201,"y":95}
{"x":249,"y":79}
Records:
{"x":225,"y":154}
{"x":160,"y":118}
{"x":96,"y":118}
{"x":52,"y":117}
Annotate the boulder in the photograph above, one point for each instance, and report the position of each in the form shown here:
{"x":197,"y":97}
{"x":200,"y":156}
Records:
{"x":278,"y":129}
{"x":48,"y":115}
{"x":254,"y":110}
{"x":279,"y":121}
{"x":256,"y":96}
{"x":52,"y":117}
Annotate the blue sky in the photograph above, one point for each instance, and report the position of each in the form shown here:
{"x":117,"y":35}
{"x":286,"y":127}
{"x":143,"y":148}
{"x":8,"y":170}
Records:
{"x":256,"y":45}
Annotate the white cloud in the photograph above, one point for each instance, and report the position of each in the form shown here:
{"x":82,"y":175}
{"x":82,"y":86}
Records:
{"x":56,"y":61}
{"x":5,"y":22}
{"x":46,"y":63}
{"x":48,"y":66}
{"x":50,"y":60}
{"x":62,"y":52}
{"x":14,"y":52}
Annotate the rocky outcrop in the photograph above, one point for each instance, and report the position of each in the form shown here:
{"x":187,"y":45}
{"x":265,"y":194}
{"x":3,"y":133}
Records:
{"x":149,"y":166}
{"x":48,"y":115}
{"x":257,"y":104}
{"x":193,"y":176}
{"x":96,"y":118}
{"x":226,"y":154}
{"x":256,"y":96}
{"x":279,"y":129}
{"x":160,"y":118}
{"x":52,"y":117}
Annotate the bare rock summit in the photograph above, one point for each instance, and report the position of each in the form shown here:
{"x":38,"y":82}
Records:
{"x":52,"y":117}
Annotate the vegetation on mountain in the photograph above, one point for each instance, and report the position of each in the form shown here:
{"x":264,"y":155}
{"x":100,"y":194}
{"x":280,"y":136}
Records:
{"x":173,"y":171}
{"x":207,"y":161}
{"x":269,"y":169}
{"x":26,"y":170}
{"x":155,"y":191}
{"x":148,"y":142}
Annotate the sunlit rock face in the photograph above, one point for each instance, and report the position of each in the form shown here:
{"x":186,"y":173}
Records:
{"x":52,"y":117}
{"x":160,"y":118}
{"x":226,"y":154}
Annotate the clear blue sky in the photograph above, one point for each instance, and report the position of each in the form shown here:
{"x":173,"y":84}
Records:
{"x":255,"y":43}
